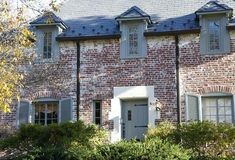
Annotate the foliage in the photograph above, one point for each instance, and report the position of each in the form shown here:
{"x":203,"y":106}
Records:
{"x":163,"y":130}
{"x":16,"y":42}
{"x":149,"y":149}
{"x":13,"y":40}
{"x":53,"y":141}
{"x":207,"y":140}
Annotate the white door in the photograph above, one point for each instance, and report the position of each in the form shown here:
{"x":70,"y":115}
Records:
{"x":135,"y":119}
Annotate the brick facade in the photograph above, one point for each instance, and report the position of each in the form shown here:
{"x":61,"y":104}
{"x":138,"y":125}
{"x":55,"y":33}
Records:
{"x":62,"y":83}
{"x":101,"y":69}
{"x":205,"y":74}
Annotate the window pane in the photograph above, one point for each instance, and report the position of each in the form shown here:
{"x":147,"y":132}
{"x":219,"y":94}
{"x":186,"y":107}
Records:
{"x":218,"y":109}
{"x":133,"y":39}
{"x":97,"y":112}
{"x":214,"y":35}
{"x":47,"y":45}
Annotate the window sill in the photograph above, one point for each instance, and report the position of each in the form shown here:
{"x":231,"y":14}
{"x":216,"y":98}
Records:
{"x":203,"y":54}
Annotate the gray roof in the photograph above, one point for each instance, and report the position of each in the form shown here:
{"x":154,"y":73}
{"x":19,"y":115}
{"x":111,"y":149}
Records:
{"x":97,"y":17}
{"x":46,"y":17}
{"x":213,"y":6}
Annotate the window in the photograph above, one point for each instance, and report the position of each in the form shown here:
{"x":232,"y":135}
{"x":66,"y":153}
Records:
{"x":97,"y":112}
{"x":133,"y":43}
{"x":133,"y":39}
{"x":46,"y":113}
{"x":47,"y":45}
{"x":214,"y":36}
{"x":217,"y":108}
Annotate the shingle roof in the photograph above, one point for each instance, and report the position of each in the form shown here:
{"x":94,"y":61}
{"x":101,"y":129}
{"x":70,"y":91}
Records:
{"x":97,"y":17}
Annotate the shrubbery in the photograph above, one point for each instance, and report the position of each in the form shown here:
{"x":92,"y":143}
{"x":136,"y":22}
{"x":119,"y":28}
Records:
{"x":52,"y":141}
{"x":207,"y":140}
{"x":77,"y":141}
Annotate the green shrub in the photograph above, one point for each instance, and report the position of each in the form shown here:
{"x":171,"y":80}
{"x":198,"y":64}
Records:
{"x":150,"y":149}
{"x":163,"y":130}
{"x":207,"y":140}
{"x":52,"y":141}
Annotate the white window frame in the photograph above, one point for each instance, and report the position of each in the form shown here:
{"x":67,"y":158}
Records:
{"x":124,"y":44}
{"x":200,"y":118}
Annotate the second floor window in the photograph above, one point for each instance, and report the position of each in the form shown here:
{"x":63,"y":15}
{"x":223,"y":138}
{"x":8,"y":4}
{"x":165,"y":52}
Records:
{"x":214,"y":35}
{"x":47,"y":46}
{"x":133,"y":39}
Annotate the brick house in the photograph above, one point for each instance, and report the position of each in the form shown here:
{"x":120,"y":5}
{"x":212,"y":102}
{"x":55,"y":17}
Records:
{"x":129,"y":64}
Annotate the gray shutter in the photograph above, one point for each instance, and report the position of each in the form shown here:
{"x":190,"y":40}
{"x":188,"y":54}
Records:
{"x":123,"y":45}
{"x":65,"y":110}
{"x":142,"y":40}
{"x":24,"y":110}
{"x":39,"y":43}
{"x":192,"y":108}
{"x":225,"y":37}
{"x":203,"y":37}
{"x":55,"y":45}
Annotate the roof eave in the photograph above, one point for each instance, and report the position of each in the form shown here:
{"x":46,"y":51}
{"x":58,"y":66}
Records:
{"x":147,"y":18}
{"x":62,"y":25}
{"x":96,"y":37}
{"x":171,"y":33}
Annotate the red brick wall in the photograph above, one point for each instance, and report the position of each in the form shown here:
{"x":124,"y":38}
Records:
{"x":200,"y":74}
{"x":62,"y":84}
{"x":102,"y":69}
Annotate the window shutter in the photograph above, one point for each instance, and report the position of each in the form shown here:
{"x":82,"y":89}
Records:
{"x":39,"y":43}
{"x":65,"y":110}
{"x":225,"y":40}
{"x":203,"y":37}
{"x":192,"y":108}
{"x":55,"y":46}
{"x":23,"y":112}
{"x":142,"y":41}
{"x":123,"y":45}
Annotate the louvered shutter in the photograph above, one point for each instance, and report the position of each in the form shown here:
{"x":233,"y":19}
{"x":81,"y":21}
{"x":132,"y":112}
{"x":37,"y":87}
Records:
{"x":24,"y":112}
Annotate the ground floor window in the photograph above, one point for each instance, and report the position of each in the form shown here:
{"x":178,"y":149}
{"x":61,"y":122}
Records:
{"x":46,"y":112}
{"x":212,"y":107}
{"x":97,"y":116}
{"x":218,"y":109}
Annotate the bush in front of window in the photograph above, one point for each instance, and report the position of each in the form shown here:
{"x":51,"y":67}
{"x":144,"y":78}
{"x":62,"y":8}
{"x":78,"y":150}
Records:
{"x":52,"y":141}
{"x":207,"y":140}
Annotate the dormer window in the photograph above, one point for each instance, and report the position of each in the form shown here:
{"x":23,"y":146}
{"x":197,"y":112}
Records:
{"x":133,"y":23}
{"x":133,"y":39}
{"x":47,"y":28}
{"x":47,"y":45}
{"x":214,"y":36}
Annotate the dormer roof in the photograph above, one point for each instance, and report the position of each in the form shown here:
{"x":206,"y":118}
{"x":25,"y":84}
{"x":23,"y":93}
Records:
{"x":49,"y":18}
{"x":134,"y":13}
{"x":214,"y":7}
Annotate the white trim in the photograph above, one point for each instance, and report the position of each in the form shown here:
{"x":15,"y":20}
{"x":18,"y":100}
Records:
{"x":200,"y":107}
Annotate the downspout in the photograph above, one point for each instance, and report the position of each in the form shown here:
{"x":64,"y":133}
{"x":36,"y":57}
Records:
{"x":177,"y":79}
{"x":78,"y":79}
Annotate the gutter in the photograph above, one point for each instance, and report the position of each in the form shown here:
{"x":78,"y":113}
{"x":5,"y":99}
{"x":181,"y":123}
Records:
{"x":177,"y":79}
{"x":171,"y":33}
{"x":88,"y":37}
{"x":78,"y":79}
